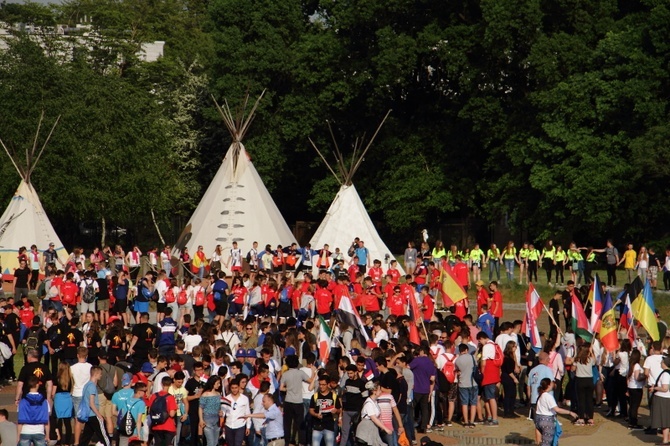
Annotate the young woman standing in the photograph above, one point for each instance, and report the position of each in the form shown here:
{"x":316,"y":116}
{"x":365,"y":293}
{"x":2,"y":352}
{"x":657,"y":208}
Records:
{"x":547,"y":259}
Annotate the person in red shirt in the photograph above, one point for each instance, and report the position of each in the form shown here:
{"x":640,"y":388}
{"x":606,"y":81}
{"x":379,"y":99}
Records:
{"x":239,"y":296}
{"x":376,"y":274}
{"x":164,"y":433}
{"x":482,"y":297}
{"x":427,"y":305}
{"x":340,"y":289}
{"x":395,"y":302}
{"x":69,"y":290}
{"x":461,"y":272}
{"x":370,"y":298}
{"x":496,"y":305}
{"x":324,"y":299}
{"x":353,"y":269}
{"x":420,"y":274}
{"x":393,"y":272}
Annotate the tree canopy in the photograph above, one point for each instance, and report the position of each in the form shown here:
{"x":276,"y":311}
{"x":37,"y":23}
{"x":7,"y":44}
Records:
{"x":551,"y":116}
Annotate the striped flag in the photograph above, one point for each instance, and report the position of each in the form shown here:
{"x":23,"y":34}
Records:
{"x":414,"y":314}
{"x":452,"y":291}
{"x":580,"y":324}
{"x":534,"y":307}
{"x":608,"y":326}
{"x":626,"y":321}
{"x":347,"y":314}
{"x":324,"y":340}
{"x":596,"y":299}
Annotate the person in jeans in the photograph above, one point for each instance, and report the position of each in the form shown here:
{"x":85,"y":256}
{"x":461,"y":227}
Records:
{"x":291,"y":383}
{"x":424,"y":383}
{"x":352,"y":400}
{"x":465,"y":365}
{"x":324,"y":408}
{"x":89,"y":411}
{"x":210,"y":410}
{"x":164,"y":433}
{"x":33,"y":416}
{"x":235,"y":409}
{"x":584,"y":383}
{"x":274,"y":423}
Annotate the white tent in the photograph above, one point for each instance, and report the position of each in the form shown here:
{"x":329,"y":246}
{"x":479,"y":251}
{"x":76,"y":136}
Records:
{"x":236,"y":206}
{"x":347,"y":217}
{"x":24,"y":222}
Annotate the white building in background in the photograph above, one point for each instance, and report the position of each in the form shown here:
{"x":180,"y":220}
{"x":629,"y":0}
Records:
{"x":72,"y":37}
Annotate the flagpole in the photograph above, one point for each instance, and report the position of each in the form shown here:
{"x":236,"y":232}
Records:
{"x":558,"y":327}
{"x":424,"y":330}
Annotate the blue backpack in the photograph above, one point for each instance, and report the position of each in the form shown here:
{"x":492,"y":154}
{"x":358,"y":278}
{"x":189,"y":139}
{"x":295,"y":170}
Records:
{"x":63,"y":405}
{"x":283,"y":296}
{"x":33,"y":409}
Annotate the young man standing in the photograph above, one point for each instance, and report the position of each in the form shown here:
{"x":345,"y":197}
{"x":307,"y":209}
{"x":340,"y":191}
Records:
{"x":89,"y":412}
{"x":194,"y":388}
{"x":7,"y":429}
{"x":491,"y":373}
{"x":144,"y":336}
{"x":236,"y":410}
{"x":33,"y":417}
{"x":180,"y":394}
{"x":81,"y":373}
{"x":161,"y":404}
{"x":324,"y":408}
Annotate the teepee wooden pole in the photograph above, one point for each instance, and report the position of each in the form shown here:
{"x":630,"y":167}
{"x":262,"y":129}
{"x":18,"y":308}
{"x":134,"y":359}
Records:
{"x":11,"y":158}
{"x":324,"y":160}
{"x":360,"y":160}
{"x":338,"y":156}
{"x":44,"y":146}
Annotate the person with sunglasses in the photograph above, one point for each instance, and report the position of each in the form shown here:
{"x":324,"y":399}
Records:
{"x":236,"y":409}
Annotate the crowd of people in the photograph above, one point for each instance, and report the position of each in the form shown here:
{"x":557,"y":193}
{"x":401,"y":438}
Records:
{"x":186,"y":355}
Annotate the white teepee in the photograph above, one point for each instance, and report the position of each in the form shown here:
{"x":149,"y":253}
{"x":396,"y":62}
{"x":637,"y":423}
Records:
{"x":236,"y":206}
{"x":347,"y":217}
{"x":24,"y":222}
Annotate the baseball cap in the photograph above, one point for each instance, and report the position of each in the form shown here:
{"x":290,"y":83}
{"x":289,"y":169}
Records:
{"x":127,"y":378}
{"x":112,"y":319}
{"x":355,"y":352}
{"x":289,"y":351}
{"x":147,"y":368}
{"x":241,"y":353}
{"x":251,"y":353}
{"x":52,"y":244}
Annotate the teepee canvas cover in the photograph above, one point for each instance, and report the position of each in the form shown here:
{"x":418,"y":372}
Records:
{"x":347,"y":217}
{"x":236,"y":206}
{"x":24,"y":222}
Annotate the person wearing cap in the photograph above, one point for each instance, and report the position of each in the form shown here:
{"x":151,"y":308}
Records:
{"x":143,"y":376}
{"x":482,"y":297}
{"x":50,"y":257}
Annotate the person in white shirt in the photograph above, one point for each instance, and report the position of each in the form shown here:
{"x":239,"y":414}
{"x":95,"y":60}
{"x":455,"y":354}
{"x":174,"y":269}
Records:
{"x":165,"y":260}
{"x":660,"y":408}
{"x":545,"y":412}
{"x":635,"y":383}
{"x":192,"y":339}
{"x":88,"y":282}
{"x":235,"y":411}
{"x":378,"y":332}
{"x":81,"y":374}
{"x":161,"y":287}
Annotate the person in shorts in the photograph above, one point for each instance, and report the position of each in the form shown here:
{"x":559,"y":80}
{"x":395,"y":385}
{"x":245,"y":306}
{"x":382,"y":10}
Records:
{"x":468,"y":393}
{"x":491,"y":373}
{"x":235,"y":259}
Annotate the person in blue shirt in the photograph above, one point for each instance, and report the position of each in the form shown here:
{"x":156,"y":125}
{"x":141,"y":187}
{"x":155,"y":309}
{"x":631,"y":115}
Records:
{"x":535,"y":377}
{"x":486,"y":322}
{"x":220,"y":290}
{"x":274,"y":420}
{"x":88,"y":411}
{"x":121,"y":397}
{"x":137,"y":409}
{"x":363,"y":257}
{"x":166,"y":341}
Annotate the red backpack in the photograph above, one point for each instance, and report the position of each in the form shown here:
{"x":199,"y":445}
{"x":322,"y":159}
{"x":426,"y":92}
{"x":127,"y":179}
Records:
{"x":498,"y":358}
{"x":182,"y":297}
{"x":449,"y":369}
{"x":169,"y":296}
{"x":200,"y":298}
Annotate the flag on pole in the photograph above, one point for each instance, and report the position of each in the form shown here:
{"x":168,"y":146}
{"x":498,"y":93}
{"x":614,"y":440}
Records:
{"x":414,"y":314}
{"x":596,"y":299}
{"x":580,"y":324}
{"x":645,"y":312}
{"x":608,"y":326}
{"x":626,"y":320}
{"x":534,"y":307}
{"x":452,"y":291}
{"x":347,"y":314}
{"x":534,"y":301}
{"x":324,"y":340}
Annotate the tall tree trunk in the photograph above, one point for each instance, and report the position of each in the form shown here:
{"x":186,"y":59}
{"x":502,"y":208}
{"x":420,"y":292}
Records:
{"x":103,"y":223}
{"x":160,"y":236}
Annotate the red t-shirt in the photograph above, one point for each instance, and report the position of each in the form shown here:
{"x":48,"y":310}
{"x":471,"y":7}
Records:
{"x":269,"y":295}
{"x":69,"y":291}
{"x":26,"y":315}
{"x":339,"y":291}
{"x":353,"y":270}
{"x":323,"y":299}
{"x":496,"y":305}
{"x":395,"y":275}
{"x":57,"y":282}
{"x":406,"y":291}
{"x":376,"y":274}
{"x":482,"y":299}
{"x":169,"y":424}
{"x":370,"y":302}
{"x":395,"y":303}
{"x":461,"y":272}
{"x":460,"y":310}
{"x":240,"y":294}
{"x":420,"y":275}
{"x":491,"y":372}
{"x":296,"y":294}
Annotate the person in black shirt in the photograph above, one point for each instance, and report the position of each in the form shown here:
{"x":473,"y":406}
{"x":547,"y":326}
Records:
{"x":53,"y":347}
{"x":21,"y":279}
{"x":116,"y":340}
{"x":34,"y":368}
{"x":324,"y":407}
{"x":352,"y":401}
{"x":13,"y":328}
{"x":194,"y":387}
{"x":144,"y":337}
{"x":567,"y":301}
{"x":70,"y":339}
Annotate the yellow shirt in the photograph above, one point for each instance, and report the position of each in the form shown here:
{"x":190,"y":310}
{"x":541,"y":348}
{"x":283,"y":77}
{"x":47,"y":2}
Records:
{"x":476,"y":255}
{"x":509,"y":254}
{"x":180,"y":395}
{"x":629,"y":259}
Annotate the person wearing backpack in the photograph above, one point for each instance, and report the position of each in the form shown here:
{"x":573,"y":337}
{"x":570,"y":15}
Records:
{"x":324,"y":407}
{"x":33,"y":416}
{"x":162,"y":410}
{"x":129,"y":412}
{"x":447,"y":388}
{"x":88,"y":290}
{"x":467,"y":371}
{"x":491,"y":362}
{"x":33,"y":338}
{"x":88,"y":411}
{"x":106,"y":389}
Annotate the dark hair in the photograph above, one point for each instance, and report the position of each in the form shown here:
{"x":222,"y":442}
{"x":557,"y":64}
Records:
{"x":292,"y":361}
{"x":482,"y":335}
{"x":209,"y":385}
{"x":544,"y":386}
{"x":463,"y":348}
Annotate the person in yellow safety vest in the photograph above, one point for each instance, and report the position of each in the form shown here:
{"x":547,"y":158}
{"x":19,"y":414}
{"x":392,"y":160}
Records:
{"x":577,"y":267}
{"x":547,"y":259}
{"x":510,"y":258}
{"x":465,"y":258}
{"x":438,"y":251}
{"x":560,"y":258}
{"x":493,"y":259}
{"x":476,"y":262}
{"x":523,"y":263}
{"x":533,"y":258}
